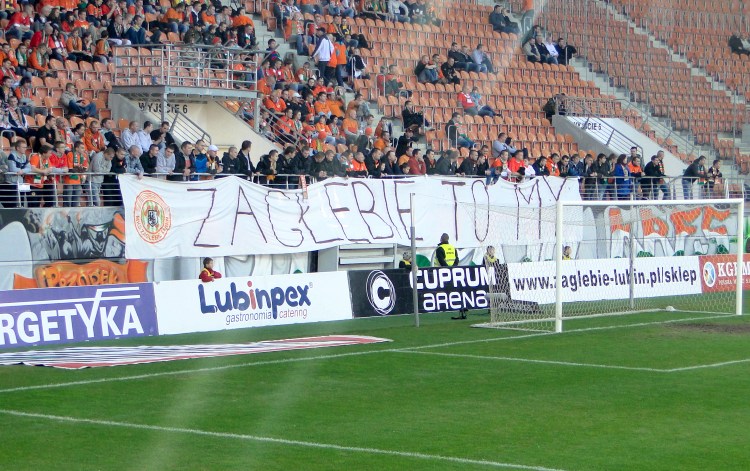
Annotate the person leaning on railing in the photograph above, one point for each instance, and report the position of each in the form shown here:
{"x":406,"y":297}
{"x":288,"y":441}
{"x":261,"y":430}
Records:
{"x":101,"y":163}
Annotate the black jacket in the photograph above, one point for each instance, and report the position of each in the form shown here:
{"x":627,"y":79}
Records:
{"x":445,"y":166}
{"x":149,"y":163}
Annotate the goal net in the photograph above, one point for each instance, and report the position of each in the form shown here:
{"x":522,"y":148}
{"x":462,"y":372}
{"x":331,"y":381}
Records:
{"x":597,"y":258}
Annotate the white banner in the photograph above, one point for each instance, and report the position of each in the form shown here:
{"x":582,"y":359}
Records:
{"x":605,"y":279}
{"x":230,"y":216}
{"x":236,"y":303}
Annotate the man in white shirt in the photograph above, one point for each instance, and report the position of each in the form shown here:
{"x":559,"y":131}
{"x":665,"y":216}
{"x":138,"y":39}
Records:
{"x":481,"y":58}
{"x":129,"y":136}
{"x":553,"y":54}
{"x":322,"y":54}
{"x":144,"y":136}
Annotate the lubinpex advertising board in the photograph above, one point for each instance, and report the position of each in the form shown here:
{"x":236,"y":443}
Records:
{"x":235,"y":303}
{"x":48,"y":316}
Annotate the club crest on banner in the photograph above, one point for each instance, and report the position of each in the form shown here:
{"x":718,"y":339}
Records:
{"x":152,"y":217}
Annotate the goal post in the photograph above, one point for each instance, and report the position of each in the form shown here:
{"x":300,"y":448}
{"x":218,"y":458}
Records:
{"x":600,"y":258}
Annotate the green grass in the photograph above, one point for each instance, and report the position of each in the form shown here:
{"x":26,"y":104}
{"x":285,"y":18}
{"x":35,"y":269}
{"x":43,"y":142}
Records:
{"x":482,"y":401}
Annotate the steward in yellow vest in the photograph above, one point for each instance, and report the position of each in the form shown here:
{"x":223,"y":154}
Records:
{"x":446,"y":254}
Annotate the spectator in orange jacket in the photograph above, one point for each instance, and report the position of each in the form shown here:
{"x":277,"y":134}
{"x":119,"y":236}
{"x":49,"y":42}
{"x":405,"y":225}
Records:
{"x":93,"y":139}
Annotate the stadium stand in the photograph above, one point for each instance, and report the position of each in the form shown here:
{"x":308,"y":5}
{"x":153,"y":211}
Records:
{"x":374,"y":50}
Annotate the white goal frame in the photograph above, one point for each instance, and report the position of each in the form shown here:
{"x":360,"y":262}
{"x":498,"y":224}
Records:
{"x":560,"y":224}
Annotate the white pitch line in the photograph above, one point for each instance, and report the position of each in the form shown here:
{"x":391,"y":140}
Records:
{"x":710,"y":365}
{"x":277,"y":441}
{"x":227,"y":367}
{"x":530,"y":360}
{"x":338,"y":355}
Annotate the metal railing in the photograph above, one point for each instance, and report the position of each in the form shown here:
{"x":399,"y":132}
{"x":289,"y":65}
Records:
{"x":580,"y":107}
{"x":107,"y":193}
{"x":185,"y":65}
{"x":185,"y":129}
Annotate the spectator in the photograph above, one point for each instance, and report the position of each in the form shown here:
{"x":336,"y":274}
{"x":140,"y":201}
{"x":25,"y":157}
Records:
{"x":398,"y":11}
{"x":426,"y":71}
{"x":129,"y":136}
{"x":484,"y":110}
{"x":41,"y":181}
{"x":472,"y":64}
{"x":565,"y":52}
{"x":322,"y":54}
{"x":391,"y":84}
{"x":622,"y":181}
{"x":502,"y":143}
{"x":76,"y":106}
{"x":454,"y":131}
{"x":636,"y":172}
{"x":498,"y":168}
{"x":483,"y":167}
{"x":162,"y":137}
{"x":696,"y":171}
{"x":576,"y":166}
{"x":45,"y":135}
{"x":480,"y":57}
{"x":527,"y":170}
{"x":449,"y":71}
{"x":350,"y":127}
{"x":551,"y":47}
{"x":531,"y":51}
{"x":117,"y":32}
{"x":654,"y":172}
{"x":738,"y":45}
{"x":77,"y":164}
{"x":714,"y":176}
{"x":468,"y":167}
{"x":133,"y":161}
{"x":413,"y":119}
{"x":467,"y":102}
{"x":406,"y":141}
{"x":357,"y":167}
{"x":25,"y":93}
{"x":447,"y":164}
{"x":17,"y":120}
{"x":462,"y":60}
{"x":590,"y":177}
{"x":601,"y":171}
{"x":93,"y":139}
{"x":231,"y":163}
{"x":357,"y":65}
{"x":500,"y":21}
{"x":166,"y":161}
{"x":389,"y":165}
{"x":184,"y":164}
{"x":208,"y":274}
{"x":149,"y":159}
{"x":544,"y":52}
{"x":540,"y":167}
{"x":417,"y":164}
{"x":18,"y":164}
{"x":144,"y":136}
{"x":430,"y":162}
{"x":213,"y":164}
{"x":100,"y":164}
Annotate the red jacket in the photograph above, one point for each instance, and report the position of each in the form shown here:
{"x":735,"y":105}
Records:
{"x":208,"y":275}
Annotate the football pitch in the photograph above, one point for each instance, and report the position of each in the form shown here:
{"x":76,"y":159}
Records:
{"x":657,"y":391}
